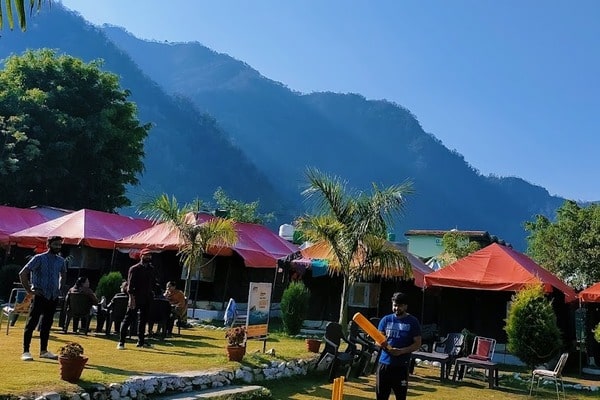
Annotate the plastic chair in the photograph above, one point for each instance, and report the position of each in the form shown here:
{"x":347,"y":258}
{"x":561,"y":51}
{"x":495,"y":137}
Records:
{"x":79,"y":307}
{"x":483,"y":348}
{"x":117,"y":309}
{"x":452,"y":345}
{"x":159,"y":314}
{"x":19,"y":302}
{"x":555,"y":375}
{"x":340,"y":360}
{"x":363,"y":349}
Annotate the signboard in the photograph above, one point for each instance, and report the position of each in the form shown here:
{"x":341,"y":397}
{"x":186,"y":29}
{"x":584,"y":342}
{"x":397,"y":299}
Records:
{"x":259,"y":305}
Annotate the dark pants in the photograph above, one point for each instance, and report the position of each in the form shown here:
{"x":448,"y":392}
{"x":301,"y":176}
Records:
{"x":40,"y":307}
{"x":392,"y":378}
{"x":130,"y":317}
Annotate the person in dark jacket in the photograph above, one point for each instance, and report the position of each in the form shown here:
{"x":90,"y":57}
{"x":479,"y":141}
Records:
{"x":140,"y":287}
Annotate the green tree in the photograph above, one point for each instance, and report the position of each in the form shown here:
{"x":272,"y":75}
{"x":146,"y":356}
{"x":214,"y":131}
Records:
{"x":570,"y":246}
{"x":240,"y":211}
{"x":197,"y":238}
{"x":19,"y":6}
{"x":70,"y":137}
{"x":531,"y":328}
{"x":354,"y":224}
{"x":456,"y":246}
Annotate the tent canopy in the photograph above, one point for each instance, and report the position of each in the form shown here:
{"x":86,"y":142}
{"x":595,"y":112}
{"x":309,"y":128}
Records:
{"x":256,"y":244}
{"x":84,"y":227}
{"x":497,"y":267}
{"x":13,"y":219}
{"x":323,"y":251}
{"x":591,"y":294}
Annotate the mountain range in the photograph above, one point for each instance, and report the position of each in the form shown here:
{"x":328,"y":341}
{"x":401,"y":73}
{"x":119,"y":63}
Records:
{"x":217,"y":122}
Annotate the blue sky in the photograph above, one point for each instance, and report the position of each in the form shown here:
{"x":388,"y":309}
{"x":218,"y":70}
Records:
{"x":512,"y":85}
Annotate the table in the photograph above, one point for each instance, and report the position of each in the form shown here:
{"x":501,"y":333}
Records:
{"x":442,"y":358}
{"x":491,"y":367}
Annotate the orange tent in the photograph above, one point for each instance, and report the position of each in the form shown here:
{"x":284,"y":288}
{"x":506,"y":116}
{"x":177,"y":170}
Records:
{"x":84,"y":227}
{"x":256,"y":244}
{"x":497,"y":267}
{"x":591,"y":294}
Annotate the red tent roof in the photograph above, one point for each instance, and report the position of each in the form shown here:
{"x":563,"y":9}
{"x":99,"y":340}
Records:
{"x":591,"y":294}
{"x":257,"y":245}
{"x":84,"y":227}
{"x":497,"y":267}
{"x":13,"y":219}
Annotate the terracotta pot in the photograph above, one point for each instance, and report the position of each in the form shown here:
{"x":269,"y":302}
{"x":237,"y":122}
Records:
{"x":71,"y":368}
{"x":313,"y":345}
{"x":236,"y":353}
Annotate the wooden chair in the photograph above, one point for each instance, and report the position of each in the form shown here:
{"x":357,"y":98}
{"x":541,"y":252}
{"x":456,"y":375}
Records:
{"x":555,"y":375}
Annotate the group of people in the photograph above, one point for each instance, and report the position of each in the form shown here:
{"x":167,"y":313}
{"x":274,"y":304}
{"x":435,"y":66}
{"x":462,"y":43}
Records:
{"x":43,"y":276}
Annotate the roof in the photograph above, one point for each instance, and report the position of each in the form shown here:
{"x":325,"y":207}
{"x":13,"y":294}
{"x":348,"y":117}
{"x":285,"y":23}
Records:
{"x":256,"y":244}
{"x":591,"y":294}
{"x":497,"y":267}
{"x":440,"y":232}
{"x":13,"y":219}
{"x":322,"y":250}
{"x":90,"y":228}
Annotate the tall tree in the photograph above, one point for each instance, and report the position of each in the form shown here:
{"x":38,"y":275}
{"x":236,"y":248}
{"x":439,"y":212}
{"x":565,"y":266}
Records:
{"x":354,"y":224}
{"x":569,"y":246}
{"x":456,"y":246}
{"x":69,"y":135}
{"x":197,"y":237}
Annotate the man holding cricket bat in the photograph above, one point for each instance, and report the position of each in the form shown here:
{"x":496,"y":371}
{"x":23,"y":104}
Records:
{"x":403,"y":333}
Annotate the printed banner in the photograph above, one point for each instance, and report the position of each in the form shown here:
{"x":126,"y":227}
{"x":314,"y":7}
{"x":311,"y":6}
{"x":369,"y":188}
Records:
{"x":259,"y":305}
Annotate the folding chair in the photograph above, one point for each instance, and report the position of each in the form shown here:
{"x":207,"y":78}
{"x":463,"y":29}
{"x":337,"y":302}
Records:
{"x":19,"y":302}
{"x":555,"y":375}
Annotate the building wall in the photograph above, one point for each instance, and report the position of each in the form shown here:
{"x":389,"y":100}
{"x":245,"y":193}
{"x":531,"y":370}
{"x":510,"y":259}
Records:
{"x":425,"y":246}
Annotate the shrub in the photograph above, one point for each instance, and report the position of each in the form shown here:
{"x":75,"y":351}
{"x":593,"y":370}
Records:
{"x":533,"y":334}
{"x":597,"y":333}
{"x":294,"y":307}
{"x":109,"y":285}
{"x":9,"y":273}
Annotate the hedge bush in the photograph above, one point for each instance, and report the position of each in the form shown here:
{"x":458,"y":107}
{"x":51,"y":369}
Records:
{"x":109,"y":285}
{"x":294,"y":307}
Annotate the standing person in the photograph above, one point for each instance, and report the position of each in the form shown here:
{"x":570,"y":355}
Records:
{"x":179,"y":306}
{"x":140,"y":284}
{"x":42,"y":277}
{"x":403,"y":333}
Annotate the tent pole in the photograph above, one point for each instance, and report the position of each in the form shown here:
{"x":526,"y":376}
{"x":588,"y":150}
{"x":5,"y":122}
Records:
{"x":226,"y":282}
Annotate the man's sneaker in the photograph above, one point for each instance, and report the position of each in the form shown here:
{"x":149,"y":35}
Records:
{"x":26,"y":356}
{"x":48,"y":355}
{"x":145,"y":345}
{"x":121,"y":346}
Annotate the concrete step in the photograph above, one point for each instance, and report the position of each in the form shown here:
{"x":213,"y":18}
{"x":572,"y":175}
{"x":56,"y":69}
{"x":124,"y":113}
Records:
{"x":223,"y":393}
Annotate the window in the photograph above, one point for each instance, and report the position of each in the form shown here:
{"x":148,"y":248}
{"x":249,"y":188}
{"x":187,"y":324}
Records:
{"x":364,"y":295}
{"x":204,"y":271}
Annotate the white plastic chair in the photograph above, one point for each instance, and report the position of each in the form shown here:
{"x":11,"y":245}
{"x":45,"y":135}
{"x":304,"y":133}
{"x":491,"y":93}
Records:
{"x":555,"y":375}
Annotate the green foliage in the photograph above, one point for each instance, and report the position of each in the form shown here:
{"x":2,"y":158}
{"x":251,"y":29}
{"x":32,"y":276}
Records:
{"x":456,"y":246}
{"x":19,"y":6}
{"x":294,"y":307}
{"x":109,"y":285}
{"x":70,"y":137}
{"x":355,"y":225}
{"x":569,"y":247}
{"x":240,"y":211}
{"x":9,"y":273}
{"x":597,"y":333}
{"x":533,"y":334}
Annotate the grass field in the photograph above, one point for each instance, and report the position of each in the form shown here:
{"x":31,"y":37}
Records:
{"x":199,"y":348}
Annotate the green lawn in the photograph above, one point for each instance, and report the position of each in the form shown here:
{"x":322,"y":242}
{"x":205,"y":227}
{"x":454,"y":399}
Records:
{"x":203,"y":349}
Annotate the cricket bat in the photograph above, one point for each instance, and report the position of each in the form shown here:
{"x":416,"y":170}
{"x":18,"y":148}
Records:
{"x":370,"y":330}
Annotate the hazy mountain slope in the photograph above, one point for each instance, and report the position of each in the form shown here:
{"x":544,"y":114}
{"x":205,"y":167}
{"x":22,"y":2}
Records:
{"x":187,"y":153}
{"x":284,"y":131}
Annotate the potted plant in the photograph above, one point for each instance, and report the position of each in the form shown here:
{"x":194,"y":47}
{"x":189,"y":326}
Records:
{"x":72,"y":361}
{"x":236,"y":343}
{"x":313,"y":344}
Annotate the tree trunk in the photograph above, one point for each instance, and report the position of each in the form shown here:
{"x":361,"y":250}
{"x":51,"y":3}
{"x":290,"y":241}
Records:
{"x":343,"y":320}
{"x":188,"y":283}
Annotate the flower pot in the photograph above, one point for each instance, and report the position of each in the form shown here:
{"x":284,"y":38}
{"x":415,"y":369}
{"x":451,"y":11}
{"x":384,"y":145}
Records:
{"x":313,"y":345}
{"x":236,"y":353}
{"x":71,"y":368}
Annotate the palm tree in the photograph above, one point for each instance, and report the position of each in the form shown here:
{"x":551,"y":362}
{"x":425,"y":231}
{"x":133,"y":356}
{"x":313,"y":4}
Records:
{"x":197,"y":237}
{"x":21,"y":13}
{"x":354,"y":225}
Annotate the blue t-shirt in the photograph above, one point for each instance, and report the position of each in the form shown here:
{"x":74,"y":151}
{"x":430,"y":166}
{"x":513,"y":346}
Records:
{"x":46,"y":269}
{"x":400,"y":332}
